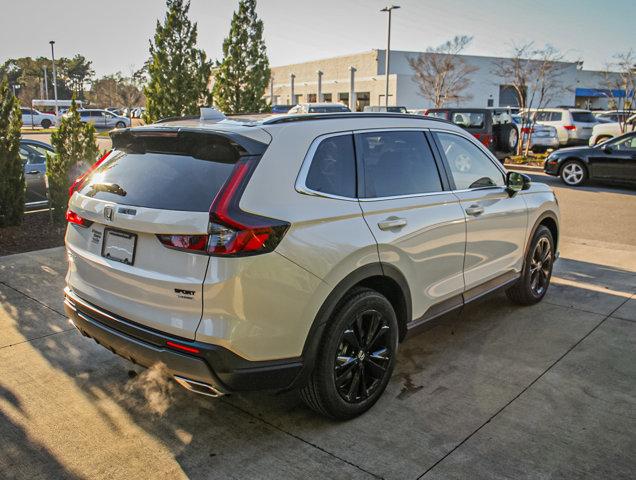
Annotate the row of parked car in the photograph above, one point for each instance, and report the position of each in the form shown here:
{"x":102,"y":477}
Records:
{"x":101,"y":118}
{"x":500,"y":129}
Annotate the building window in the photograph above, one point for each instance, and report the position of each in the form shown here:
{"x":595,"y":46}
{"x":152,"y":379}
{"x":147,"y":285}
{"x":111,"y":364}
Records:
{"x":326,"y":97}
{"x":298,"y":99}
{"x":343,"y":98}
{"x":311,"y":97}
{"x":508,"y":96}
{"x":491,"y":102}
{"x":363,"y":99}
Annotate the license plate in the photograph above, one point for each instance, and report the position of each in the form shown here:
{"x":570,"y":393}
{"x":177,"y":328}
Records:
{"x":119,"y":246}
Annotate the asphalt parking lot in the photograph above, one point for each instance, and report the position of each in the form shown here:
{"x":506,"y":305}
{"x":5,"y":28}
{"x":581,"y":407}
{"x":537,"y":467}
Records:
{"x":498,"y":392}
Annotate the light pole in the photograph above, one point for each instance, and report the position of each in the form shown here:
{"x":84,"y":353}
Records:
{"x":387,"y":58}
{"x":54,"y":75}
{"x":46,"y":84}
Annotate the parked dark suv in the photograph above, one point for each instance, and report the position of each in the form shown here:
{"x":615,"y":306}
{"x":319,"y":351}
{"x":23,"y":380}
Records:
{"x":479,"y":122}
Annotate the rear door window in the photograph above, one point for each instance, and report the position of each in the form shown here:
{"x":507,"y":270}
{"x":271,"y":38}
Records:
{"x":397,"y":163}
{"x":333,"y":167}
{"x":556,"y":116}
{"x":182,"y":173}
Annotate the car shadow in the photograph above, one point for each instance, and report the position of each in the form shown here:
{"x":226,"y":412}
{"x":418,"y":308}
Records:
{"x":447,"y":382}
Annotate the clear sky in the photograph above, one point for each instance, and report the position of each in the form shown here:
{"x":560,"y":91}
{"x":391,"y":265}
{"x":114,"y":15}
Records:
{"x":114,"y":33}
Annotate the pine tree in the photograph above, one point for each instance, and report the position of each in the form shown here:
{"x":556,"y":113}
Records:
{"x":75,"y":151}
{"x":242,"y":77}
{"x":12,"y":183}
{"x":178,"y":72}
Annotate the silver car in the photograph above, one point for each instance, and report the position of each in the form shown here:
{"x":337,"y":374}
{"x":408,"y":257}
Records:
{"x":104,"y":118}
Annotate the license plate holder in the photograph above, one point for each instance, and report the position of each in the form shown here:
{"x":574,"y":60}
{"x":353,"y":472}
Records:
{"x":119,"y":246}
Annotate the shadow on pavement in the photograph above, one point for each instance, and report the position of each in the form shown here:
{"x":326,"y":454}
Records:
{"x":449,"y":382}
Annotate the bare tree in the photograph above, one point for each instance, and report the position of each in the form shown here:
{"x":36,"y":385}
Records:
{"x":516,"y":70}
{"x":535,"y":75}
{"x":547,"y":68}
{"x":620,"y":80}
{"x":441,"y":74}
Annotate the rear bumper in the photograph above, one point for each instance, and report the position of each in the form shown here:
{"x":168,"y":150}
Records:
{"x":213,"y":365}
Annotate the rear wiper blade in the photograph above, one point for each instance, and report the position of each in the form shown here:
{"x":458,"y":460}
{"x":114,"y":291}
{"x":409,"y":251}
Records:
{"x":107,"y":187}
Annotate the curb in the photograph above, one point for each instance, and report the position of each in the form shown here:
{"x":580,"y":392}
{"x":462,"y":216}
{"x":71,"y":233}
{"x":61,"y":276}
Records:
{"x":524,"y":168}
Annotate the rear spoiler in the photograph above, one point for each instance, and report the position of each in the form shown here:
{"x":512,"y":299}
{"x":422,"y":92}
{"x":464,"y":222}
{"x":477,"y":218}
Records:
{"x":183,"y":140}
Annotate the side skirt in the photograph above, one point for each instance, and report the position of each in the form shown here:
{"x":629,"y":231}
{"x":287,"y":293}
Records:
{"x":453,"y":306}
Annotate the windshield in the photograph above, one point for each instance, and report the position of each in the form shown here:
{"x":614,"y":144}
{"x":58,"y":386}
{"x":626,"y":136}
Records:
{"x":586,"y":117}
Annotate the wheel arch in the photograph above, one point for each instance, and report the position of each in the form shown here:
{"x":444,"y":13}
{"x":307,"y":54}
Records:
{"x":383,"y":278}
{"x":549,"y":220}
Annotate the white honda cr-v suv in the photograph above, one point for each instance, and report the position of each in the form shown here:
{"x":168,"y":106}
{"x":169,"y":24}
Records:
{"x":296,"y":251}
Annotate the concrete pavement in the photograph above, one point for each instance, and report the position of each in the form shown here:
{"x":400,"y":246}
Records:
{"x":498,"y":392}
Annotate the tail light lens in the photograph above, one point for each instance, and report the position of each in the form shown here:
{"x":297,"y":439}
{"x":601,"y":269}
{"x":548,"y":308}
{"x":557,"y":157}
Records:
{"x":231,"y":231}
{"x":79,"y":181}
{"x":570,"y":127}
{"x":72,"y":217}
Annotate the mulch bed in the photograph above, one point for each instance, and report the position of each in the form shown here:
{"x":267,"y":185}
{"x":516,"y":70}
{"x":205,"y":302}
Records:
{"x":35,"y":233}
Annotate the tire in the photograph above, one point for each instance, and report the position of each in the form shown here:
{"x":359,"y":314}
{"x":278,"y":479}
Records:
{"x":508,"y":138}
{"x":537,"y":270}
{"x":601,"y":139}
{"x":362,"y":368}
{"x":573,"y":173}
{"x":120,"y":125}
{"x":46,"y":123}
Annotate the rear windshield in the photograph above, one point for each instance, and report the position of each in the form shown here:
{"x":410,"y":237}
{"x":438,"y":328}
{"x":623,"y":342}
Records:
{"x":165,"y":173}
{"x":583,"y":117}
{"x":468,"y":119}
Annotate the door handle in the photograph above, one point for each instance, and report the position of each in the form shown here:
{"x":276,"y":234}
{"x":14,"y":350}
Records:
{"x":475,"y":210}
{"x":392,"y":222}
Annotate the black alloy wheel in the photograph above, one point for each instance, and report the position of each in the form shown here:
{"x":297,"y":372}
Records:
{"x":541,"y":267}
{"x":363,"y":356}
{"x":356,"y":356}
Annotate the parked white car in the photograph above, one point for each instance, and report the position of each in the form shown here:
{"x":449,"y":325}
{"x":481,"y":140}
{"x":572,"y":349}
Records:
{"x":543,"y":137}
{"x":605,"y":131}
{"x":611,"y":116}
{"x":318,"y":108}
{"x":574,"y":126}
{"x":104,"y":118}
{"x":33,"y":117}
{"x":296,"y":251}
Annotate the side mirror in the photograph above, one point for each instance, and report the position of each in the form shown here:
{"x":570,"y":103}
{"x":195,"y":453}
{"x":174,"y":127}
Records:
{"x":515,"y":182}
{"x":607,"y":149}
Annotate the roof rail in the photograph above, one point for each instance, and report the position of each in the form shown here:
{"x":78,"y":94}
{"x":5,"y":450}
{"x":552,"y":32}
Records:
{"x":340,"y":115}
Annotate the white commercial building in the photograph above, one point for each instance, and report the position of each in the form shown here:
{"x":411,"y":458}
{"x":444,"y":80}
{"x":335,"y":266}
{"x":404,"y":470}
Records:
{"x":361,"y":77}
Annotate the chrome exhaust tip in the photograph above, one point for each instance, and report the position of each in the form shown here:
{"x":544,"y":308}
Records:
{"x":199,"y":387}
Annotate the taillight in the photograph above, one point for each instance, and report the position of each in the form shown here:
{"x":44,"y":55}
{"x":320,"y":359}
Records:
{"x":570,"y":127}
{"x":72,"y":217}
{"x":77,"y":184}
{"x":231,"y":231}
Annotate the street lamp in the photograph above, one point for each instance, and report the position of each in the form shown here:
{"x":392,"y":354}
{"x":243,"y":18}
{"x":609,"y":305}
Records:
{"x":388,"y":9}
{"x":54,"y":76}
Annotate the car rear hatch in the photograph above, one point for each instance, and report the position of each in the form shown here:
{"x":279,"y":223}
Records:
{"x":135,"y":220}
{"x":583,"y":122}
